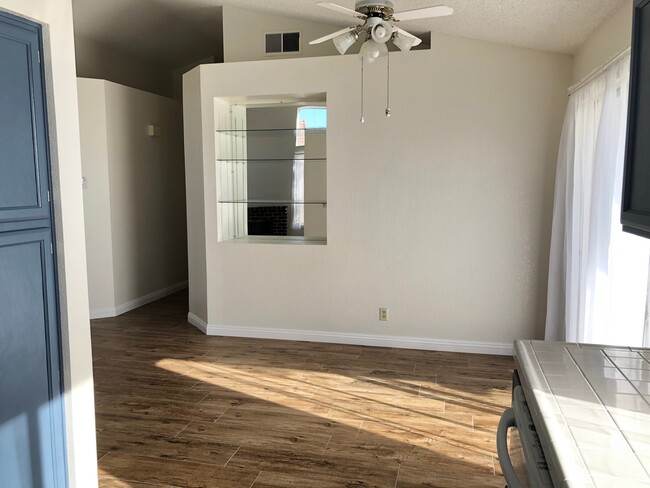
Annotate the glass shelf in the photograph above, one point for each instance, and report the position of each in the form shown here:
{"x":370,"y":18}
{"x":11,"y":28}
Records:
{"x":276,"y":202}
{"x":269,"y":131}
{"x":268,"y":135}
{"x":269,"y":160}
{"x":285,"y":240}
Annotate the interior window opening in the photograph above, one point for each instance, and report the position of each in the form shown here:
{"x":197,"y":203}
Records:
{"x":307,"y":118}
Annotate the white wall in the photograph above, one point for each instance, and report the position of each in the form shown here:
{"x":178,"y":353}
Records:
{"x":440,"y":213}
{"x":97,"y":204}
{"x":177,"y":74}
{"x":195,"y":189}
{"x":97,"y":60}
{"x":135,"y":194}
{"x":243,"y":35}
{"x":61,"y":92}
{"x":612,"y":37}
{"x":147,"y":192}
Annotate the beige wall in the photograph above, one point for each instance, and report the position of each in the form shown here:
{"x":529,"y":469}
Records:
{"x":135,"y":194}
{"x":147,"y":192}
{"x":61,"y":91}
{"x":612,"y":37}
{"x":243,"y":35}
{"x":440,"y":213}
{"x":177,"y":74}
{"x":97,"y":60}
{"x":97,"y":205}
{"x":194,"y":135}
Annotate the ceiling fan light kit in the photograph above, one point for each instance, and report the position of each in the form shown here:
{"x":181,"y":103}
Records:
{"x":403,"y":42}
{"x":345,"y":41}
{"x":379,"y":30}
{"x":372,"y":50}
{"x":379,"y":18}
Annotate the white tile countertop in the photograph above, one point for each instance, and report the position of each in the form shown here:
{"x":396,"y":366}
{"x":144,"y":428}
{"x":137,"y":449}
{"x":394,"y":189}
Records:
{"x":591,"y":407}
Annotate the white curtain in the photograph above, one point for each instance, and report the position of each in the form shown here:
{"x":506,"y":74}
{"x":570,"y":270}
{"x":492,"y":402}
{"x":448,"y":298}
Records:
{"x":598,"y":276}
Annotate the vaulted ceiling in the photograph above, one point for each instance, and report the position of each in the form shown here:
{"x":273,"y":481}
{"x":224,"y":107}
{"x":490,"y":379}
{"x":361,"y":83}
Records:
{"x":175,"y":32}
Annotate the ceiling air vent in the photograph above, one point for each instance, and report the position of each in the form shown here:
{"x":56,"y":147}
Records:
{"x":282,"y":42}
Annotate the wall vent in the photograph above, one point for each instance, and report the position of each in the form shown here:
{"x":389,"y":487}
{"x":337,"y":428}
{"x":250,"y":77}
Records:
{"x":282,"y":42}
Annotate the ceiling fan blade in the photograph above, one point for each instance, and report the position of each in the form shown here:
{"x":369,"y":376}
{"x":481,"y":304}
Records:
{"x":333,"y":35}
{"x":417,"y":42}
{"x":424,"y":13}
{"x":341,"y":10}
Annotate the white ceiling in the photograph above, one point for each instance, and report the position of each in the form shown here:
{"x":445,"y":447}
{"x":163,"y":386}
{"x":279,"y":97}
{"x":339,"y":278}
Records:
{"x":176,"y":32}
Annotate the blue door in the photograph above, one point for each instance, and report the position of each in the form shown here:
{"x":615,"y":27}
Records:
{"x":32,"y":440}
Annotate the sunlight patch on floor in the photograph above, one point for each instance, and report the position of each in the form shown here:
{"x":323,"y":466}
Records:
{"x":387,"y":407}
{"x":108,"y":480}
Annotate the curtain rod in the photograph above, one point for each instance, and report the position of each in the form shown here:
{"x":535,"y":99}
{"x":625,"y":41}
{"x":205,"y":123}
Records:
{"x":597,"y":72}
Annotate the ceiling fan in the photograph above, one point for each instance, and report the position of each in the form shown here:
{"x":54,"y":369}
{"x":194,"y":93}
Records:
{"x":378,"y":18}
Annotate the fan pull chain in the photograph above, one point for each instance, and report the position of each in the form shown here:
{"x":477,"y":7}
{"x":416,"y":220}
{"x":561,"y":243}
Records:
{"x":362,"y":118}
{"x":388,"y":85}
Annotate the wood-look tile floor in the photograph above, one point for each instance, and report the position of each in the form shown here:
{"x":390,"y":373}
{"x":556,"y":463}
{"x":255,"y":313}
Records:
{"x":177,"y":408}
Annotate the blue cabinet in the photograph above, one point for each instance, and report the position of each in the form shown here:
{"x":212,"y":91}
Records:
{"x":32,"y":422}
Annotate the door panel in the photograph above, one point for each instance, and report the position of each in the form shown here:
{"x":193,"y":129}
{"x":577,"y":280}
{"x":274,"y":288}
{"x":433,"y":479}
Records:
{"x":23,"y":145}
{"x":16,"y":124}
{"x":32,"y":423}
{"x":27,"y":441}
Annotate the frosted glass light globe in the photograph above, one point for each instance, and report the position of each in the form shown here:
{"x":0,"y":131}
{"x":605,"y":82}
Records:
{"x":372,"y":50}
{"x":345,"y":41}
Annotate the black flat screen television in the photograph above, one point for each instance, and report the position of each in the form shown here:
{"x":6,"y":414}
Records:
{"x":635,"y":208}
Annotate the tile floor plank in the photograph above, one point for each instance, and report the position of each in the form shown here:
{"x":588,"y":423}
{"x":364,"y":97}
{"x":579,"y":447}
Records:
{"x":176,"y":473}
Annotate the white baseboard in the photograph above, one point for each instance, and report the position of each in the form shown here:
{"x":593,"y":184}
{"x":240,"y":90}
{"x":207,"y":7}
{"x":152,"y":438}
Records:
{"x":102,"y":313}
{"x":198,"y":323}
{"x":497,"y":348}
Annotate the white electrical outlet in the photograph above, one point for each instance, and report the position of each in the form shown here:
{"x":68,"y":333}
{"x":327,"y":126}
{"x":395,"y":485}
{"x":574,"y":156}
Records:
{"x":383,"y":314}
